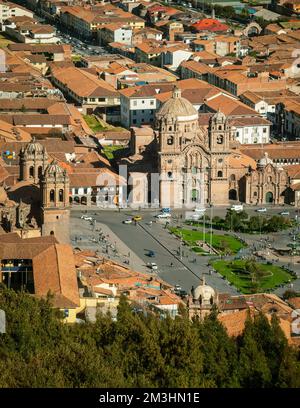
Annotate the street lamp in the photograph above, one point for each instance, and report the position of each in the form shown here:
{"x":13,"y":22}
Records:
{"x":211,"y":216}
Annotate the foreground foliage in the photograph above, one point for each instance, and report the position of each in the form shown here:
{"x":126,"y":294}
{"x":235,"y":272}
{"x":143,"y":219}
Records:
{"x":38,"y":350}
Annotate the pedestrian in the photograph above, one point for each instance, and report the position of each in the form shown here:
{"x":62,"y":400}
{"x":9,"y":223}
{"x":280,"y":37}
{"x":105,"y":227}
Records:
{"x":171,"y":264}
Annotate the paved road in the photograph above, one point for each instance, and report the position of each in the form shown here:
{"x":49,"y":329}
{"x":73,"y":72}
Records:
{"x":141,"y":238}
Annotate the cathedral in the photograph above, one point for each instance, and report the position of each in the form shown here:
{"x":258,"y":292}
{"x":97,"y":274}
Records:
{"x":39,"y":203}
{"x":198,"y":165}
{"x":193,"y":167}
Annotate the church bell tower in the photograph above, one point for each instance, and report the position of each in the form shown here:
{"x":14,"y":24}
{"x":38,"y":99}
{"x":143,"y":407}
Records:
{"x":54,"y":187}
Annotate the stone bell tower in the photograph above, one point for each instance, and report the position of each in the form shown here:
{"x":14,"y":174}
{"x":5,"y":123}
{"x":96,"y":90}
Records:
{"x":219,"y":137}
{"x":54,"y":187}
{"x":177,"y":125}
{"x":33,"y":161}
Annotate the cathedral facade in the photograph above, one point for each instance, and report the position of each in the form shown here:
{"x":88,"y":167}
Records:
{"x":193,"y":165}
{"x":199,"y":166}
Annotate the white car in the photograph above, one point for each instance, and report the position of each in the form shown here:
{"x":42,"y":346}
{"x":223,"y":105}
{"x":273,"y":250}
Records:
{"x":284,"y":213}
{"x":152,"y":265}
{"x":163,"y":215}
{"x":237,"y":207}
{"x":200,"y":210}
{"x":262,"y":209}
{"x":128,"y":221}
{"x":86,"y":218}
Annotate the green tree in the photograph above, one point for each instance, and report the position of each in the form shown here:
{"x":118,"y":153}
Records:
{"x":253,"y":366}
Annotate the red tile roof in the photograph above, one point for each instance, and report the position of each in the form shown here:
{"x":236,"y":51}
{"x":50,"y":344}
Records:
{"x":209,"y":24}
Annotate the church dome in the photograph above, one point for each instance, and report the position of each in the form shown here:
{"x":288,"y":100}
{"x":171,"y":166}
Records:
{"x":219,"y":117}
{"x":265,"y":160}
{"x":206,"y":292}
{"x":34,"y":147}
{"x":53,"y":169}
{"x":178,"y":108}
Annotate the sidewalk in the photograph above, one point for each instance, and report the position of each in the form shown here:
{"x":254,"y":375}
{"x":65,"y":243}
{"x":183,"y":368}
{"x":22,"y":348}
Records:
{"x":88,"y":238}
{"x":123,"y":250}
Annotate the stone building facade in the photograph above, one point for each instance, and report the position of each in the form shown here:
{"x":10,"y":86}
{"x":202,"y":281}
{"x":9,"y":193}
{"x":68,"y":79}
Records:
{"x":268,"y":184}
{"x":192,"y":164}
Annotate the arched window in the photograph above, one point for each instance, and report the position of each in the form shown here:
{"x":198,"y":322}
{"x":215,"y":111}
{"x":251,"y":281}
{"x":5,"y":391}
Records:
{"x":52,"y":195}
{"x":170,"y":140}
{"x":40,"y":171}
{"x":61,"y":195}
{"x":232,"y":177}
{"x":31,"y":171}
{"x":170,"y":128}
{"x":220,"y":173}
{"x":220,"y":127}
{"x":220,"y":139}
{"x":170,"y":174}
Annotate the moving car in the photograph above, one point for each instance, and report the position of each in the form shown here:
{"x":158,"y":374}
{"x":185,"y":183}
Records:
{"x":163,"y":215}
{"x":137,"y":218}
{"x":152,"y":265}
{"x":86,"y":218}
{"x":128,"y":221}
{"x":151,"y":254}
{"x":262,"y":209}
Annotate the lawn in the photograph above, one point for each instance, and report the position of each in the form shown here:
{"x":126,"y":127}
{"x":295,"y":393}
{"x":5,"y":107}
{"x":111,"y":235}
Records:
{"x":99,"y":125}
{"x":110,"y":150}
{"x":220,"y":242}
{"x":76,"y":57}
{"x":93,"y":123}
{"x":4,"y":41}
{"x":233,"y":272}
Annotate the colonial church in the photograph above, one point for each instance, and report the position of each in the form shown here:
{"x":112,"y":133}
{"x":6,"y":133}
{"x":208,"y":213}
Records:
{"x":198,"y":165}
{"x":39,"y":203}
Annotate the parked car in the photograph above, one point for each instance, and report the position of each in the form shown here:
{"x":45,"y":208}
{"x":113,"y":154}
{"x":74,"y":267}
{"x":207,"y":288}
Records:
{"x":200,"y":210}
{"x":237,"y":207}
{"x":262,"y":209}
{"x":284,"y":213}
{"x":166,"y":210}
{"x":163,"y":215}
{"x":128,"y":221}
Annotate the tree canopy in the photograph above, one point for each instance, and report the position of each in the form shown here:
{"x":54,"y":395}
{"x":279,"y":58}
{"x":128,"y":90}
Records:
{"x":138,"y":350}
